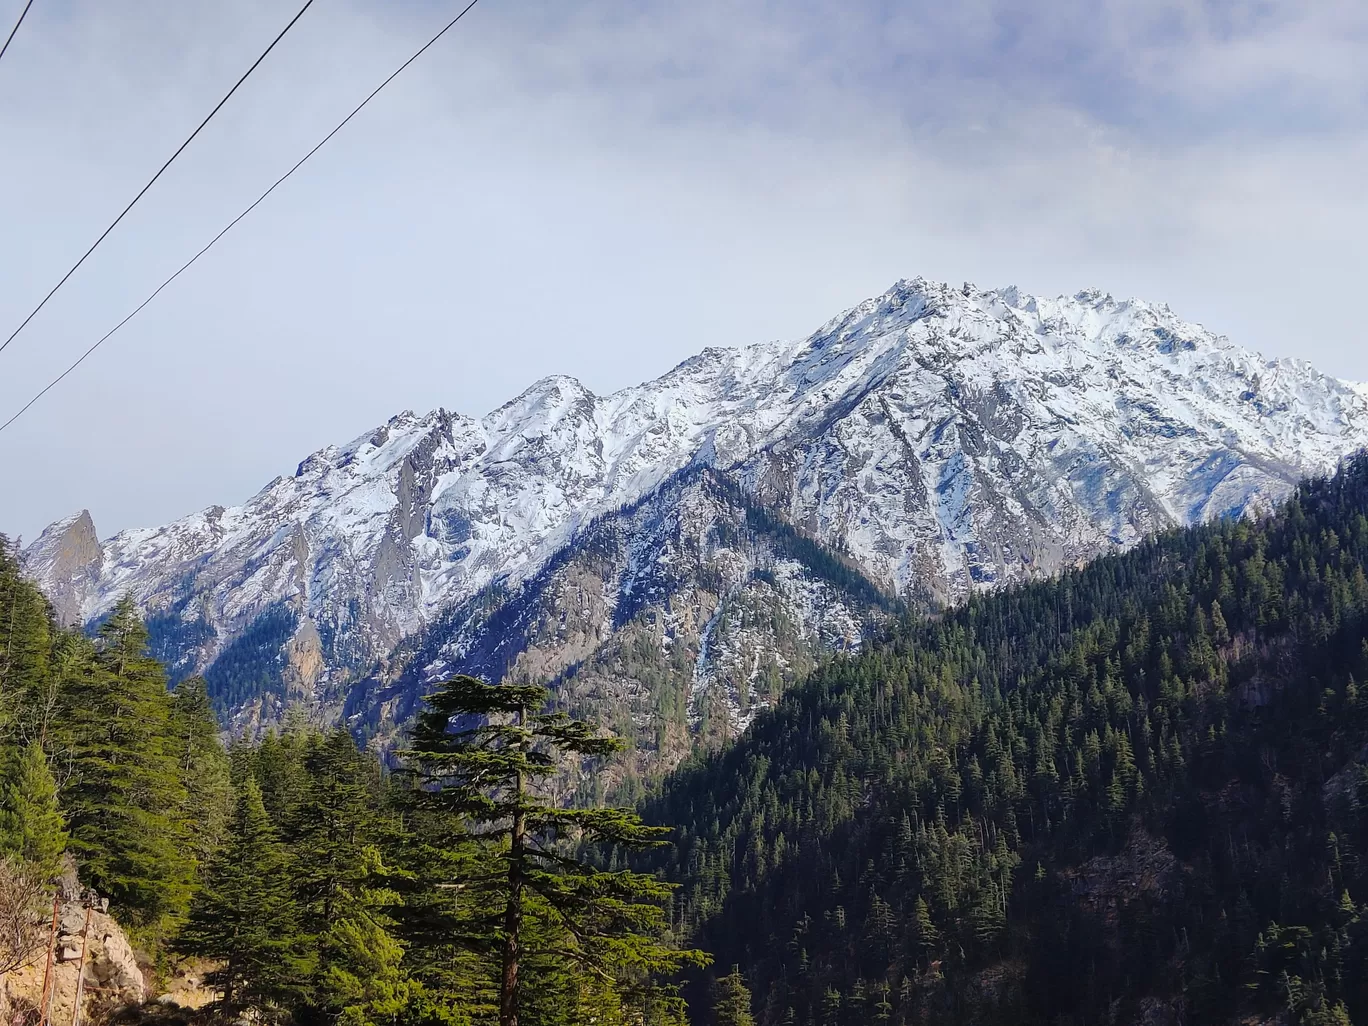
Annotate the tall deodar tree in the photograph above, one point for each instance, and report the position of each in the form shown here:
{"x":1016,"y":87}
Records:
{"x":545,"y":885}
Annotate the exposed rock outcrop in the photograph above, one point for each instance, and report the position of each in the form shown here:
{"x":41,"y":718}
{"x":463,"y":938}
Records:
{"x":68,"y":559}
{"x":113,"y":978}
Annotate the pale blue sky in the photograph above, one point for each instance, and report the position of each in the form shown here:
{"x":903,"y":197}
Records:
{"x":604,"y":189}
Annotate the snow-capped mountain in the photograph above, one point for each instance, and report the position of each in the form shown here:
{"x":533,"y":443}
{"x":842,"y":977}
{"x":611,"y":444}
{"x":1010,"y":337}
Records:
{"x":938,"y":438}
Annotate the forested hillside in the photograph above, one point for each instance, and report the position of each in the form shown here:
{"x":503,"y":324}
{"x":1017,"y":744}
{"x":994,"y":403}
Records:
{"x":299,"y":877}
{"x":1137,"y":793}
{"x":101,"y":760}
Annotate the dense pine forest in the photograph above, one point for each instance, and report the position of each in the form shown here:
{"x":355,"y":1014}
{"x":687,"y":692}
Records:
{"x":1138,"y":793}
{"x":309,"y":882}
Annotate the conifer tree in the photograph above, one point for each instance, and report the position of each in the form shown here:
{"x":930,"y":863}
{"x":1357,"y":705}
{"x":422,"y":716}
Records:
{"x":278,"y":763}
{"x":732,"y":1001}
{"x":363,"y":980}
{"x":31,"y":826}
{"x":334,"y":830}
{"x":336,"y":842}
{"x":124,"y":797}
{"x":204,"y":768}
{"x":246,"y":918}
{"x":25,"y":637}
{"x":485,"y":754}
{"x":453,"y":927}
{"x":926,"y":933}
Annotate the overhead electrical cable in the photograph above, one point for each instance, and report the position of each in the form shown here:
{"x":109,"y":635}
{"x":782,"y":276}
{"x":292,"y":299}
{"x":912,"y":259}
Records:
{"x":10,"y":38}
{"x":254,"y":204}
{"x":141,"y":192}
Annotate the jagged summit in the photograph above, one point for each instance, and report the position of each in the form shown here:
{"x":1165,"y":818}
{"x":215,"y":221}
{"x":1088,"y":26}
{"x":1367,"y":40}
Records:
{"x":67,"y":558}
{"x":944,"y":437}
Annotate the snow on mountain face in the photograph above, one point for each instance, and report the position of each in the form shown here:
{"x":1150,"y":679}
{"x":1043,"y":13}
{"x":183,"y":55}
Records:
{"x":674,"y":620}
{"x":943,"y":438}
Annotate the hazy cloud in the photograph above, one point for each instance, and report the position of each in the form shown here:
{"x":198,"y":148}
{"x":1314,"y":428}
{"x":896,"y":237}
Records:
{"x":604,"y":189}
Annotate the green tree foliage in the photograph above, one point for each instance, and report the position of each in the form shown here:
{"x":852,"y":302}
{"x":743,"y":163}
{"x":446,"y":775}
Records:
{"x":557,"y":919}
{"x":1144,"y":779}
{"x":252,"y":665}
{"x":337,"y":832}
{"x":99,"y":759}
{"x":246,"y":917}
{"x":732,"y":1001}
{"x":125,"y":796}
{"x":204,"y":768}
{"x":278,"y":763}
{"x":440,"y":918}
{"x":25,"y":648}
{"x":390,"y":904}
{"x":364,"y":980}
{"x":321,"y":889}
{"x":31,"y":828}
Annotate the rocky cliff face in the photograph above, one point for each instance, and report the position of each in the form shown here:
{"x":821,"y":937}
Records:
{"x":673,"y":619}
{"x":70,"y":566}
{"x":935,"y":439}
{"x":94,"y":947}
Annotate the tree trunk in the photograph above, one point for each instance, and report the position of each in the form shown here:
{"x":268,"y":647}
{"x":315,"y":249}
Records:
{"x":508,"y":991}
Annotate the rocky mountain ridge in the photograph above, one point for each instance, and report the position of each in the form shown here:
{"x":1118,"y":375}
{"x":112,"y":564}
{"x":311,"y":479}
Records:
{"x":937,"y":439}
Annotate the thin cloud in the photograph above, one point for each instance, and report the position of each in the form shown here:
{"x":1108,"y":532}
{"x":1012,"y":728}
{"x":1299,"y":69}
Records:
{"x":603,"y":190}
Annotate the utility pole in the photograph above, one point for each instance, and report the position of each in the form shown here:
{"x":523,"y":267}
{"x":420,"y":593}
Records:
{"x":47,"y":972}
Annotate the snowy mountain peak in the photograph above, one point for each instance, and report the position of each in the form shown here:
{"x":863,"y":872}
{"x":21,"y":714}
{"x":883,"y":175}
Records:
{"x":944,"y":437}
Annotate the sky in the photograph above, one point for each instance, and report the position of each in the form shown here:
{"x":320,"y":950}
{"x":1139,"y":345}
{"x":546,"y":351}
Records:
{"x":604,"y":189}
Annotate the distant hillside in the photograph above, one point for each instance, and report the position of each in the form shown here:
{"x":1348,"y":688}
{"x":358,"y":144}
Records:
{"x":1135,"y":794}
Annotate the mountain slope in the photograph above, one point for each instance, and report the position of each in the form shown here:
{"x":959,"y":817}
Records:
{"x":941,"y":439}
{"x":673,"y":619}
{"x":1133,"y":794}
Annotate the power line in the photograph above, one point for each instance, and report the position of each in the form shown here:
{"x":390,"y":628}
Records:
{"x":153,"y":181}
{"x":254,"y":204}
{"x":10,"y":37}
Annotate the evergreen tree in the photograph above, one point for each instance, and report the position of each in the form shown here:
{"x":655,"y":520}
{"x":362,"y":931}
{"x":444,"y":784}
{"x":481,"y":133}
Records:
{"x":732,"y":1001}
{"x":204,"y":768}
{"x":484,"y":754}
{"x":278,"y":763}
{"x":926,"y":933}
{"x":451,"y":926}
{"x":363,"y":980}
{"x":334,"y":830}
{"x":246,"y":917}
{"x":25,"y":643}
{"x":1194,"y":702}
{"x":336,"y":840}
{"x":31,"y":827}
{"x":124,"y":797}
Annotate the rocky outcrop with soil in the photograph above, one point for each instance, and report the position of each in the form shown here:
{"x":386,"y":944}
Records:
{"x":88,"y":943}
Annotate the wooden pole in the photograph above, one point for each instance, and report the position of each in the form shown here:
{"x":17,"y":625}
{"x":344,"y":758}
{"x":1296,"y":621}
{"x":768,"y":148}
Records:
{"x":47,"y":972}
{"x":80,"y":973}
